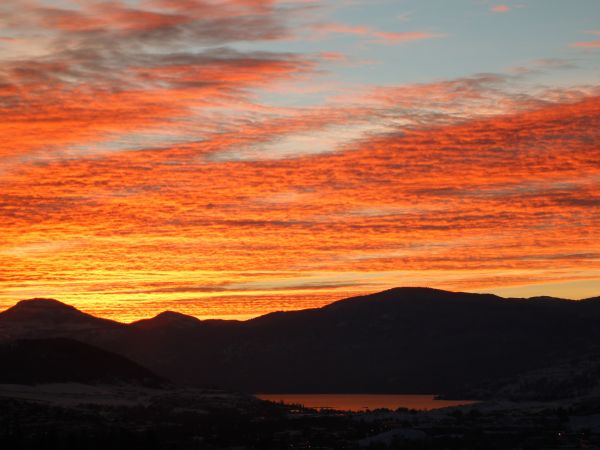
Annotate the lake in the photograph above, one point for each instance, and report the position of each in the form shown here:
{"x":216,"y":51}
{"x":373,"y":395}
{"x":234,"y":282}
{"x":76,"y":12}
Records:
{"x":361,"y":402}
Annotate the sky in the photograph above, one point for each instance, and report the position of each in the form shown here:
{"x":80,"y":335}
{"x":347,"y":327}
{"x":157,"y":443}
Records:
{"x":230,"y":158}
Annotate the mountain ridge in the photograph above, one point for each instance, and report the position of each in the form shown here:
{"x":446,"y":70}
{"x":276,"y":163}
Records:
{"x":167,"y":319}
{"x":403,"y":340}
{"x":49,"y":307}
{"x":42,"y":304}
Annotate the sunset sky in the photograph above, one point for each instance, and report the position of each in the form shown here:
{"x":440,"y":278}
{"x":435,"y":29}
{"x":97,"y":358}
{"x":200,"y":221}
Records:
{"x":232,"y":158}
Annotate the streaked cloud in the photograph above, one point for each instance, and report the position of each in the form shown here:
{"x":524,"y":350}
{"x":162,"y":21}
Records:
{"x":226,"y":159}
{"x":376,"y":36}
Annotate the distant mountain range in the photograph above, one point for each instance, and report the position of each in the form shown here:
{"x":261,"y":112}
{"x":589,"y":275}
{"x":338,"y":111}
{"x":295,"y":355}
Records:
{"x":404,"y":340}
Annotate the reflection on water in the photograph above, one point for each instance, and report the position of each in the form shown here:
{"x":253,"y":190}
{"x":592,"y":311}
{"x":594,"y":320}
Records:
{"x":362,"y":402}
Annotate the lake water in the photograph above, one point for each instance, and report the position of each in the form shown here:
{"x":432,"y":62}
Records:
{"x":361,"y":402}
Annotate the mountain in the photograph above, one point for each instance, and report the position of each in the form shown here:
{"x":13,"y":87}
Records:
{"x":167,"y":320}
{"x":62,"y":360}
{"x":405,"y":340}
{"x":41,"y":317}
{"x":47,"y":310}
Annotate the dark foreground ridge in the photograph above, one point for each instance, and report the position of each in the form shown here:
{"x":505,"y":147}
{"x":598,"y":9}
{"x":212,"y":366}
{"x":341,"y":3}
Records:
{"x":404,"y":340}
{"x":63,"y":360}
{"x":536,"y":356}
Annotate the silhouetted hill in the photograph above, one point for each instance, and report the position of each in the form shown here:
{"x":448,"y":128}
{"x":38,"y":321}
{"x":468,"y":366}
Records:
{"x":167,"y":320}
{"x":51,"y":318}
{"x":47,"y":310}
{"x":62,"y":360}
{"x":405,"y":340}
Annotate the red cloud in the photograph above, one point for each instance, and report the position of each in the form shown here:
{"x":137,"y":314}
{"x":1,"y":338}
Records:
{"x":106,"y":17}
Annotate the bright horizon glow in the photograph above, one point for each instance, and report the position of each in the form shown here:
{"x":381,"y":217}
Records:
{"x":230,"y":158}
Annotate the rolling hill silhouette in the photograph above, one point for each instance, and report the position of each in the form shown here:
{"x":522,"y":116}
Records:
{"x":63,"y":360}
{"x":404,"y":340}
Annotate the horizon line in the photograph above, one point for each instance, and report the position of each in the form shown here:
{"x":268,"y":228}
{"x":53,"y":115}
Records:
{"x":423,"y":288}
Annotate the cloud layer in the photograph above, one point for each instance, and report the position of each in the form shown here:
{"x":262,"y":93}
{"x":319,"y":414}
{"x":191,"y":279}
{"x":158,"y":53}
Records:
{"x":142,"y":163}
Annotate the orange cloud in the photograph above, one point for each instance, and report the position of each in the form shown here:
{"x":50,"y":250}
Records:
{"x":500,"y":8}
{"x":588,"y":44}
{"x":488,"y":201}
{"x":384,"y":37}
{"x":138,"y":169}
{"x":333,"y":56}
